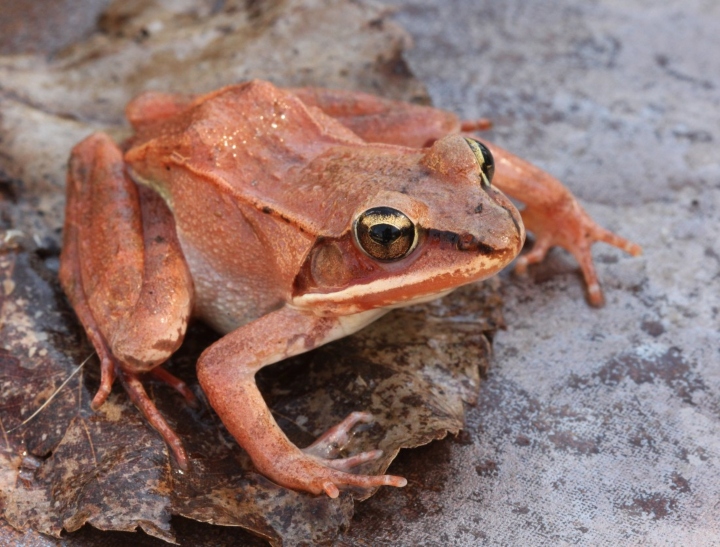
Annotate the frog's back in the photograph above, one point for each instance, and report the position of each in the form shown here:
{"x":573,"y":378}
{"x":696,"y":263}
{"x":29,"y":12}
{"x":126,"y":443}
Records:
{"x":227,"y":164}
{"x":250,"y":140}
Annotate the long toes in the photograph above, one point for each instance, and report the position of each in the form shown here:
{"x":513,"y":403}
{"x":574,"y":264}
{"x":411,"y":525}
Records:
{"x":340,"y":479}
{"x":346,"y":464}
{"x":615,"y":240}
{"x":594,"y":292}
{"x":330,"y":443}
{"x":135,"y":390}
{"x":535,"y":255}
{"x":177,"y":384}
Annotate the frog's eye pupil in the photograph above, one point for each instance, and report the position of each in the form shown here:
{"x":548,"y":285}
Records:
{"x":384,"y":233}
{"x":485,"y":160}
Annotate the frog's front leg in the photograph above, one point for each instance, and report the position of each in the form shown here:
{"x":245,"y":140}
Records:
{"x":124,"y":274}
{"x":226,"y":371}
{"x":555,"y":217}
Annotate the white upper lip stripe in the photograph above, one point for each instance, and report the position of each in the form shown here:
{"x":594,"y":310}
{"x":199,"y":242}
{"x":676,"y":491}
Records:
{"x":379,"y":286}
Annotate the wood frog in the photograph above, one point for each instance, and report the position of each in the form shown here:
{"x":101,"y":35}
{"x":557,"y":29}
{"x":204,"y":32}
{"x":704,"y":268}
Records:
{"x":287,"y":218}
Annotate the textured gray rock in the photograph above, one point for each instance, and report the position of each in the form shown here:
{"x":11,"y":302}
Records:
{"x":595,"y":427}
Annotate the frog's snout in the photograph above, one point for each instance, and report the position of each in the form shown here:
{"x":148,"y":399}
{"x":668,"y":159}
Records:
{"x":506,"y":205}
{"x":498,"y":232}
{"x":503,"y":248}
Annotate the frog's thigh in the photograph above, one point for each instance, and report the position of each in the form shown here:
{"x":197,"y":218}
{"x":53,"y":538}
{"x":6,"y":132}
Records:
{"x":121,"y":265}
{"x":377,"y":119}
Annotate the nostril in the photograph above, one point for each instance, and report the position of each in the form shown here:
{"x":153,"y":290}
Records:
{"x":479,"y":208}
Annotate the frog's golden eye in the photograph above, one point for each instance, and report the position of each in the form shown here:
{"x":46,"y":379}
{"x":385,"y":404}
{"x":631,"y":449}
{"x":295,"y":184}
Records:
{"x":484,"y":159}
{"x":385,"y":233}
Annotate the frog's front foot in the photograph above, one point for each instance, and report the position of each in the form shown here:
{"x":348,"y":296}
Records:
{"x":317,"y":469}
{"x":328,"y":445}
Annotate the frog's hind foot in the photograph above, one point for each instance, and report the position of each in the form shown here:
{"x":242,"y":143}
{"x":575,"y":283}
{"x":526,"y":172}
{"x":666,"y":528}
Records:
{"x":135,"y":390}
{"x":176,"y":383}
{"x":124,"y":273}
{"x":579,"y":232}
{"x":110,"y":369}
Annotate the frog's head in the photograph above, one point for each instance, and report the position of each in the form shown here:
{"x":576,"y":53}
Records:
{"x":427,"y":222}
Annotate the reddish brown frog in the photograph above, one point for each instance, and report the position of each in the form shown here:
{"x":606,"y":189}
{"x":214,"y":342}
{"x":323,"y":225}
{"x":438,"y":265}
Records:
{"x":287,"y":219}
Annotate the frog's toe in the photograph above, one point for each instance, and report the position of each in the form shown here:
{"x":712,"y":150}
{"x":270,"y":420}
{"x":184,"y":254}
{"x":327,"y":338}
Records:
{"x":334,"y":473}
{"x":480,"y":124}
{"x":107,"y":378}
{"x":346,"y":464}
{"x":107,"y":368}
{"x":135,"y":390}
{"x":536,"y":254}
{"x":302,"y":471}
{"x":331,"y":490}
{"x":177,"y":384}
{"x":331,"y":443}
{"x":334,"y":480}
{"x":582,"y":253}
{"x":594,"y":292}
{"x":606,"y":236}
{"x":370,"y":481}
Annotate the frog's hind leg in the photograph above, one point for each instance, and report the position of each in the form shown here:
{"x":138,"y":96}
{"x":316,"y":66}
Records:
{"x":380,"y":120}
{"x":124,"y":274}
{"x":70,"y":277}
